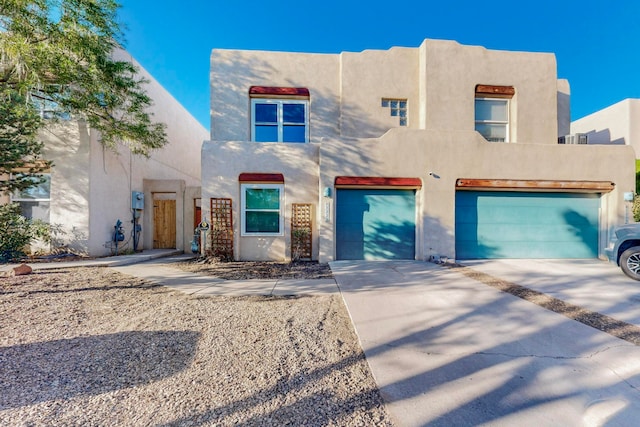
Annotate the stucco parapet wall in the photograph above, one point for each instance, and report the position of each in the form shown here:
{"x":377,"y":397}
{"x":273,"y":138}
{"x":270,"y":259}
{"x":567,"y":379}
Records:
{"x":227,"y":159}
{"x":465,"y":154}
{"x":213,"y":145}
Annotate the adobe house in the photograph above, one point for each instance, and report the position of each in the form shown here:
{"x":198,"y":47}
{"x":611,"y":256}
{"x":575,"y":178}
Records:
{"x":89,"y":188}
{"x":443,"y":150}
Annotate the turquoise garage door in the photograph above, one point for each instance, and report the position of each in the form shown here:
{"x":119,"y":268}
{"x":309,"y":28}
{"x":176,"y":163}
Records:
{"x":375,"y":224}
{"x":526,"y":225}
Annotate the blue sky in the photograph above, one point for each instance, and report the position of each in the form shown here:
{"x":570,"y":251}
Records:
{"x":597,"y":43}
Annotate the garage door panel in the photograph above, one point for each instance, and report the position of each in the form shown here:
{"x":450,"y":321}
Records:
{"x":375,"y":224}
{"x":350,"y":232}
{"x":537,"y":233}
{"x":526,"y":225}
{"x":522,"y":250}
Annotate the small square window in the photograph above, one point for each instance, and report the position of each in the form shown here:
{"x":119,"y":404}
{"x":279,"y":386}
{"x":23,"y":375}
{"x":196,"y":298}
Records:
{"x":397,"y":108}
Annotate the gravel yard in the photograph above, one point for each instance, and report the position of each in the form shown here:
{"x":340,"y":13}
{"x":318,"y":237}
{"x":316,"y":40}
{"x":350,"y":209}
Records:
{"x":89,"y":346}
{"x":239,"y":270}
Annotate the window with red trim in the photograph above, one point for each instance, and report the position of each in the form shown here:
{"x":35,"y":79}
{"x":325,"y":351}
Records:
{"x":279,"y":114}
{"x":492,"y":105}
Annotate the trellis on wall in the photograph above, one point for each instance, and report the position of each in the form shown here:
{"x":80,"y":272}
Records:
{"x":301,"y":228}
{"x":221,"y":233}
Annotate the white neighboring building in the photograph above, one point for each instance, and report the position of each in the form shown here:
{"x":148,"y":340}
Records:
{"x":90,"y":187}
{"x":618,"y":124}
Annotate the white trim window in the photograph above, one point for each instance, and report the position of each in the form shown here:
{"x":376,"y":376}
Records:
{"x":279,"y":120}
{"x":262,"y":209}
{"x":492,"y":118}
{"x":35,"y":201}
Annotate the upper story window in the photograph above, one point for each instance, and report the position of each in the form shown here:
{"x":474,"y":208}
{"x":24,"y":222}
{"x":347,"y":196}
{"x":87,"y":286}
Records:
{"x":279,"y":114}
{"x":492,"y":105}
{"x":47,"y":106}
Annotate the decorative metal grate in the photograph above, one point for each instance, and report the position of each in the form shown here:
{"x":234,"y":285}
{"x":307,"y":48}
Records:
{"x":301,"y":228}
{"x":221,"y":233}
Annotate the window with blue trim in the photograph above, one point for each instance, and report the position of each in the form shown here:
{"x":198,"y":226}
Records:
{"x":279,"y":120}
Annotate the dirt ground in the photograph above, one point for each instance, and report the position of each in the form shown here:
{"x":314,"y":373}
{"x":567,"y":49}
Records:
{"x":90,"y":346}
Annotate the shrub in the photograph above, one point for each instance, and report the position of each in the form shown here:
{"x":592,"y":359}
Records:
{"x":16,"y":232}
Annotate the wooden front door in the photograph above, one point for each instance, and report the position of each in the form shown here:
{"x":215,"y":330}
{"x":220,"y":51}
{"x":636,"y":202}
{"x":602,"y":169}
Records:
{"x":164,"y":224}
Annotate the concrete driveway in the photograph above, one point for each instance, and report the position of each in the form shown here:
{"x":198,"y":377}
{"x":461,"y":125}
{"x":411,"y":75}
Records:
{"x":447,"y":350}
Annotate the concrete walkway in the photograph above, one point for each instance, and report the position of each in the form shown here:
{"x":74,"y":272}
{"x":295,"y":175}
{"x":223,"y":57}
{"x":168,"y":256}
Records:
{"x":155,"y":266}
{"x":448,"y":350}
{"x":112,"y":261}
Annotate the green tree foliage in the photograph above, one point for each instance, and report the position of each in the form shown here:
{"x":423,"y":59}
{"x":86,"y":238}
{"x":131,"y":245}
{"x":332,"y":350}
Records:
{"x":19,"y":144}
{"x":59,"y":54}
{"x":18,"y":232}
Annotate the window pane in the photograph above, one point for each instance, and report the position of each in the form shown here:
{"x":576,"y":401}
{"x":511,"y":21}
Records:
{"x":491,"y":110}
{"x":266,"y":133}
{"x":266,"y":113}
{"x":35,"y":210}
{"x":293,"y":113}
{"x":263,"y":198}
{"x":39,"y":191}
{"x":262,"y":222}
{"x":293,"y":134}
{"x":493,"y":133}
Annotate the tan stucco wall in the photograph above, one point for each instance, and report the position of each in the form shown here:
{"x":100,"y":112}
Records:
{"x":223,"y":162}
{"x":452,"y":72}
{"x":564,"y":107}
{"x":438,"y":158}
{"x":616,"y":124}
{"x":438,"y":79}
{"x":368,"y":76}
{"x":453,"y":155}
{"x":234,"y":72}
{"x":353,"y":135}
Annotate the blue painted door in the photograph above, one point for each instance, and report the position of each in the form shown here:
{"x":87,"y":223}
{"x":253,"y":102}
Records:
{"x":526,"y":225}
{"x":375,"y":224}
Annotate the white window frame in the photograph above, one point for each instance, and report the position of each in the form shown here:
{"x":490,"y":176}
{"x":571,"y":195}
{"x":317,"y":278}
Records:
{"x":243,"y":209}
{"x":279,"y":119}
{"x":15,"y":196}
{"x":495,"y":122}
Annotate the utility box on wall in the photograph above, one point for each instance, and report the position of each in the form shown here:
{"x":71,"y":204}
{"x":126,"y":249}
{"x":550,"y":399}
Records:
{"x":137,"y":200}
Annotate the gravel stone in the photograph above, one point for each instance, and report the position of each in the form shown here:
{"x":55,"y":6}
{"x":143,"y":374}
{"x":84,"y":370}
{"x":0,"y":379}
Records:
{"x":93,"y":347}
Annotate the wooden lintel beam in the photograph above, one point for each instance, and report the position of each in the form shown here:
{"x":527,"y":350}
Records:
{"x":531,"y":185}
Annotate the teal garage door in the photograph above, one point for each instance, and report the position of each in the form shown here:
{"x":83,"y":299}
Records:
{"x":526,"y":225}
{"x":375,"y":224}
